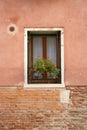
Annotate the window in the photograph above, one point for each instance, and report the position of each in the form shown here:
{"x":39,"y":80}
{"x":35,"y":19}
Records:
{"x":43,"y":43}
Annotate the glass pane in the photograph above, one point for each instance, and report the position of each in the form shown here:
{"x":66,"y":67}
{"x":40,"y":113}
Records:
{"x":37,"y":47}
{"x":37,"y":52}
{"x":51,"y":48}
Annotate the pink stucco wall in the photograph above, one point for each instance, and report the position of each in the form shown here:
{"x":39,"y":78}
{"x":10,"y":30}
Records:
{"x":70,"y":14}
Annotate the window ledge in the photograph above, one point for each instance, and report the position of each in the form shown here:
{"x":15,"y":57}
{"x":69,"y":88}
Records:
{"x":43,"y":86}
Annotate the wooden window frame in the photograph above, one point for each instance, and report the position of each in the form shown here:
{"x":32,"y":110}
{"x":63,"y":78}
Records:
{"x":43,"y":80}
{"x":26,"y":85}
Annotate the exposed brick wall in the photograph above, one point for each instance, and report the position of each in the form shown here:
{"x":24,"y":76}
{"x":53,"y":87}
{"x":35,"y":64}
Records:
{"x":42,"y":110}
{"x":77,"y":111}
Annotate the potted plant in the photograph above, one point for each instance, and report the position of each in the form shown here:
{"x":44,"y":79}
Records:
{"x":46,"y":66}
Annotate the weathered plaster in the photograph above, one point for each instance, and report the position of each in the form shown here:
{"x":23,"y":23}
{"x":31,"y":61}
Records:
{"x":69,"y":14}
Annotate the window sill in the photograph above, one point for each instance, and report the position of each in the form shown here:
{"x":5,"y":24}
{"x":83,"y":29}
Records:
{"x":44,"y":86}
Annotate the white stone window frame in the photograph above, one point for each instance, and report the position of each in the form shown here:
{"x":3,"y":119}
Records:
{"x":26,"y":85}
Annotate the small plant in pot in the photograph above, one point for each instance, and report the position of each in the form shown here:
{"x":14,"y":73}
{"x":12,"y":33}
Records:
{"x":46,"y":66}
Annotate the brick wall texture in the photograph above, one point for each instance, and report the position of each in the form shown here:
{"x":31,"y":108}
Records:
{"x":36,"y":109}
